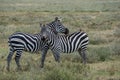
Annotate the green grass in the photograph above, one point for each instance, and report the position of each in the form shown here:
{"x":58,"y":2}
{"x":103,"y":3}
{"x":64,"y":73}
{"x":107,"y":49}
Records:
{"x":100,"y":19}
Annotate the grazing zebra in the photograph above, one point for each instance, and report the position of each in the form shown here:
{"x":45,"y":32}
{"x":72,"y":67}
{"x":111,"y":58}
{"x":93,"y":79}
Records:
{"x":20,"y":42}
{"x":76,"y":41}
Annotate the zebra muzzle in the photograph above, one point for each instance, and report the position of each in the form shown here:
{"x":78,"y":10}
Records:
{"x":66,"y":31}
{"x":43,"y":38}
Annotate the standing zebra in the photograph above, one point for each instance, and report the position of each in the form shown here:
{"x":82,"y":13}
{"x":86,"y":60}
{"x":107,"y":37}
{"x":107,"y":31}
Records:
{"x":76,"y":41}
{"x":20,"y":42}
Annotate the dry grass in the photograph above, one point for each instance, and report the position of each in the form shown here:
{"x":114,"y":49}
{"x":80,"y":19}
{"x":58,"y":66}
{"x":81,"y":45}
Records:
{"x":100,"y":19}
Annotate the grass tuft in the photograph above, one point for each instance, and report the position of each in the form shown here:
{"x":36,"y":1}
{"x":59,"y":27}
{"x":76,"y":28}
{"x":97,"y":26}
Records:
{"x":57,"y":74}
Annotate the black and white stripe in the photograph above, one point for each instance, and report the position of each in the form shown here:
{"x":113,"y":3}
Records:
{"x":76,"y":41}
{"x":20,"y":42}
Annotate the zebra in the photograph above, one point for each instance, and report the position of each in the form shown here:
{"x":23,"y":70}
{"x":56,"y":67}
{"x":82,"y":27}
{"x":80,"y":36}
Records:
{"x":76,"y":41}
{"x":19,"y":42}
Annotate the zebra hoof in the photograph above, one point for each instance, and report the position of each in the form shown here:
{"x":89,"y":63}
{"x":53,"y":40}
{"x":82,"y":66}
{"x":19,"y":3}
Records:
{"x":41,"y":66}
{"x":8,"y":69}
{"x":19,"y":69}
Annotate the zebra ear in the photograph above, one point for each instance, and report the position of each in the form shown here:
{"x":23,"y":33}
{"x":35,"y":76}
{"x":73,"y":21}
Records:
{"x":56,"y":19}
{"x":43,"y":25}
{"x":60,"y":19}
{"x":40,"y":24}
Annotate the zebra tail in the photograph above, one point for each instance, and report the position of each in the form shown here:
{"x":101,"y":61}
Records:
{"x":80,"y":30}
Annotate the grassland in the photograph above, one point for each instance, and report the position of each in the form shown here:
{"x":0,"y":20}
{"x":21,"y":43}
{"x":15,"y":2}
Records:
{"x":99,"y":18}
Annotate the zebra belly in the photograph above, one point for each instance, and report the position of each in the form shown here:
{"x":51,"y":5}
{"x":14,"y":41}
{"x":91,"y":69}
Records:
{"x":70,"y":51}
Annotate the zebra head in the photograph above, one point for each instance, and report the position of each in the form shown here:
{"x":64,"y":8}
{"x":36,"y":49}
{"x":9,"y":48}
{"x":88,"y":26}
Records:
{"x":57,"y":26}
{"x":45,"y":31}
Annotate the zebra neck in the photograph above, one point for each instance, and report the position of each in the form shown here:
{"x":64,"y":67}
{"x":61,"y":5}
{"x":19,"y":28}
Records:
{"x":53,"y":40}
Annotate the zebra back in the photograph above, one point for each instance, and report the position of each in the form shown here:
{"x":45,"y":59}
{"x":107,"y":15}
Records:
{"x":65,"y":43}
{"x":33,"y":43}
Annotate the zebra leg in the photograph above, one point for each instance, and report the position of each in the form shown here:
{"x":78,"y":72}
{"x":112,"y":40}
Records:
{"x":9,"y":57}
{"x":17,"y":58}
{"x":82,"y":53}
{"x":44,"y":52}
{"x":56,"y":56}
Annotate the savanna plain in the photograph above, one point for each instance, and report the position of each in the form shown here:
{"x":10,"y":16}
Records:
{"x":100,"y":19}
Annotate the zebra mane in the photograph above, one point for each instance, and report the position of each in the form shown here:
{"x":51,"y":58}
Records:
{"x":52,"y":29}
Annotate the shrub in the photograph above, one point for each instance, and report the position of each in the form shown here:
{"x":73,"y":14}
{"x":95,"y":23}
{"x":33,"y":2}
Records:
{"x":97,"y":39}
{"x":98,"y":54}
{"x":116,"y":47}
{"x":117,"y":32}
{"x":8,"y":77}
{"x":111,"y":70}
{"x":59,"y":74}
